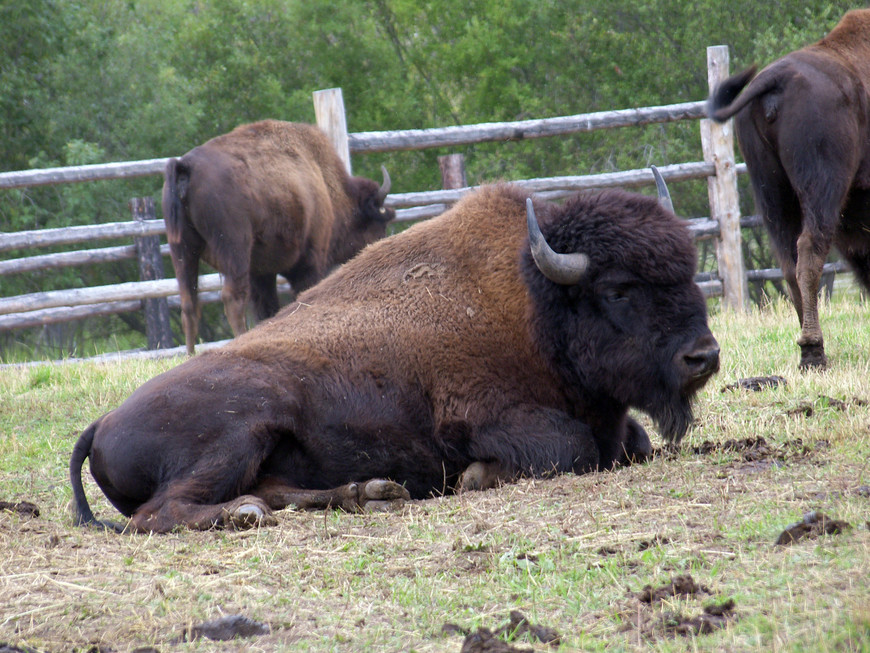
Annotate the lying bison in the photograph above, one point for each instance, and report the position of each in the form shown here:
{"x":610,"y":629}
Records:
{"x":268,"y":198}
{"x":461,"y":352}
{"x":803,"y":124}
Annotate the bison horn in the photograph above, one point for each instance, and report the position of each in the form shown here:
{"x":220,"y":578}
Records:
{"x":564,"y":269}
{"x":662,"y":190}
{"x":385,"y":187}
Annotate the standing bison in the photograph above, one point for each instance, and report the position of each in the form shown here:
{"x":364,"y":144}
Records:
{"x":268,"y":198}
{"x":462,"y":352}
{"x":803,"y":124}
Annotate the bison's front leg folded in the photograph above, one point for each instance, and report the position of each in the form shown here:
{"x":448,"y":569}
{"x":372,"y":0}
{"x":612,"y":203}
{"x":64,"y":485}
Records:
{"x":538,"y":442}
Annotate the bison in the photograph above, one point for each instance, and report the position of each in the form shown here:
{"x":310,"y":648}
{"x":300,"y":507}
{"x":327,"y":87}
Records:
{"x":267,"y":198}
{"x":803,"y":124}
{"x":471,"y":349}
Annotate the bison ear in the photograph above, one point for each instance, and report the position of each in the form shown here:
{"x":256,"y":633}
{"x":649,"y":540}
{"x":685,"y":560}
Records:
{"x":564,"y":269}
{"x":662,"y":190}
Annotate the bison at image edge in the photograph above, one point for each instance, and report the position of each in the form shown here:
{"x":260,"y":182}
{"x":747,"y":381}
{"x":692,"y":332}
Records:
{"x":471,"y":349}
{"x":268,"y":198}
{"x":803,"y":125}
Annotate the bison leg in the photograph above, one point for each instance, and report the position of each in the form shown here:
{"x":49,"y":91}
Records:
{"x":483,"y":476}
{"x":161,"y":515}
{"x":371,"y":495}
{"x":185,"y":259}
{"x":264,"y":295}
{"x":529,"y":441}
{"x":810,"y":260}
{"x":235,"y":298}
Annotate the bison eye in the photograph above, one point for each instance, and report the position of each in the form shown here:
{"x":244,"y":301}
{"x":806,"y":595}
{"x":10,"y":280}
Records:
{"x":615,"y":296}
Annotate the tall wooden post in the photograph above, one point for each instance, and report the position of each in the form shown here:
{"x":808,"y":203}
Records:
{"x":329,"y":112}
{"x":452,"y":168}
{"x":157,"y":327}
{"x":718,"y":144}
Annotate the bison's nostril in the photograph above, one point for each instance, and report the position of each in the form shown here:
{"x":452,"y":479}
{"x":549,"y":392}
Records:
{"x":702,"y":362}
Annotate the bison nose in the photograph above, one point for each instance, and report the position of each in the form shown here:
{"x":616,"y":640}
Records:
{"x":702,"y":360}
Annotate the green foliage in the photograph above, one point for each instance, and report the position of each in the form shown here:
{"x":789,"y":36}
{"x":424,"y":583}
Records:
{"x":92,"y":82}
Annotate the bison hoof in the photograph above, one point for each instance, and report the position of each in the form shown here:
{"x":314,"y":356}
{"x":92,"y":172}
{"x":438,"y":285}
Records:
{"x":250,"y":513}
{"x":482,"y":476}
{"x":813,"y":358}
{"x":376,"y":495}
{"x":381,"y":490}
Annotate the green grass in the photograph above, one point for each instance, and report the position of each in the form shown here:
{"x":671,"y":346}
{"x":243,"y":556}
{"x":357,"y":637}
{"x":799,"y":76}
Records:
{"x":570,"y":553}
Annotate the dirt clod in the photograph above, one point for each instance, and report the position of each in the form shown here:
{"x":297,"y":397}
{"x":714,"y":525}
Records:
{"x":24,"y":508}
{"x":813,"y":525}
{"x":488,"y":641}
{"x":713,"y":618}
{"x":484,"y":640}
{"x":683,"y":585}
{"x":226,"y":628}
{"x":9,"y":648}
{"x":756,"y":383}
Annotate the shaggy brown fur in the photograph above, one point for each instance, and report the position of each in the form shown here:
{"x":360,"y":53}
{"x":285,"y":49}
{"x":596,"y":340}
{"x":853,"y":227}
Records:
{"x":268,"y":198}
{"x":440,"y":349}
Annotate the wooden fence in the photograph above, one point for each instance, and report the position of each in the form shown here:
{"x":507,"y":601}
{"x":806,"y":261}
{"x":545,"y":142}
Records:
{"x":156,"y":295}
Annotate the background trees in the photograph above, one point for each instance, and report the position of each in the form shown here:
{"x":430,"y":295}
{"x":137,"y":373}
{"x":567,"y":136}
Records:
{"x":95,"y":81}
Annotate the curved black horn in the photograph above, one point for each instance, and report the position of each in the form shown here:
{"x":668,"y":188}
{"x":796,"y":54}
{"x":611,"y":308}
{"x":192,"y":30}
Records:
{"x":385,"y":187}
{"x":662,"y":190}
{"x":564,"y":269}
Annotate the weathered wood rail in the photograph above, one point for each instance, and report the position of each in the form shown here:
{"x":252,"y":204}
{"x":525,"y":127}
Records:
{"x":718,"y":168}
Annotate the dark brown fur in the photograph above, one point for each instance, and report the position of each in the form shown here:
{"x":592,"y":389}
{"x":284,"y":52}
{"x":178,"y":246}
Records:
{"x":803,"y":125}
{"x":268,"y":198}
{"x":440,"y":348}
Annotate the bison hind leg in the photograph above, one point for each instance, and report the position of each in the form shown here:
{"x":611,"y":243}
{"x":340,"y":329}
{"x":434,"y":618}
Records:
{"x":264,"y":295}
{"x":366,"y":496}
{"x":162,"y":515}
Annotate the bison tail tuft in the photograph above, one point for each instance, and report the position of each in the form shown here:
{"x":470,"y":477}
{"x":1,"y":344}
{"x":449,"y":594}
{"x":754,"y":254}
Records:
{"x":721,"y":104}
{"x":174,"y":189}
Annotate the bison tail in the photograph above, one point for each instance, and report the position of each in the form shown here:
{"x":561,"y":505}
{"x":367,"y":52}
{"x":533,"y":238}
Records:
{"x":174,"y":189}
{"x":82,"y":450}
{"x":727,"y":100}
{"x":83,"y":515}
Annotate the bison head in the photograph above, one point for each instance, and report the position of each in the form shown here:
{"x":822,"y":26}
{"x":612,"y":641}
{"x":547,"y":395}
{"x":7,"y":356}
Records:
{"x":618,"y":314}
{"x":369,"y":222}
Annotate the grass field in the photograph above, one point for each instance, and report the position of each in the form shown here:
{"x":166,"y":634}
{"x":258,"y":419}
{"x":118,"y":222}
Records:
{"x":572,"y":553}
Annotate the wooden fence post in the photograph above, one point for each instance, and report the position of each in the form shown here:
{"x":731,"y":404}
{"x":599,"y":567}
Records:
{"x":157,"y":327}
{"x":717,"y":141}
{"x":452,"y":168}
{"x":329,"y":112}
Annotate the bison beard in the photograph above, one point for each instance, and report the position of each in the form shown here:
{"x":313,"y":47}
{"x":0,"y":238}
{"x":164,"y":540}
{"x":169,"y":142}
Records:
{"x":468,"y":350}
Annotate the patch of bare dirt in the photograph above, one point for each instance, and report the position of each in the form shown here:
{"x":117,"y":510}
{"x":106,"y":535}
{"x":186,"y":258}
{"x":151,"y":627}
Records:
{"x":756,"y":454}
{"x":813,"y":525}
{"x":484,"y":640}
